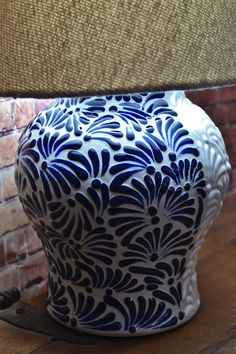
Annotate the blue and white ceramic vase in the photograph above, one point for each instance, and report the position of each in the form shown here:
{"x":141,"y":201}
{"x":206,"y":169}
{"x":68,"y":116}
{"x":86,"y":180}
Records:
{"x":121,"y":190}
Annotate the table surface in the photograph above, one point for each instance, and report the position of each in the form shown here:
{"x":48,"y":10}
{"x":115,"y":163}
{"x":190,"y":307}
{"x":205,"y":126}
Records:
{"x":211,"y":331}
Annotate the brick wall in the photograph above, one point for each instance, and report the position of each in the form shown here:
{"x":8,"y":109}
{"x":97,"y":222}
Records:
{"x":22,"y":262}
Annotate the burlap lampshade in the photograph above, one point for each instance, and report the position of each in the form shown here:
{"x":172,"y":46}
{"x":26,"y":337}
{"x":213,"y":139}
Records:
{"x":78,"y":47}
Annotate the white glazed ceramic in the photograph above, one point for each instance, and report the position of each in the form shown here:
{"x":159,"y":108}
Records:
{"x":121,"y":190}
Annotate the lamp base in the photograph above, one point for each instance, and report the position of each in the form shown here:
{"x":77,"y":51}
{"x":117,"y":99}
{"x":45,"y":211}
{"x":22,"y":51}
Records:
{"x":121,"y":190}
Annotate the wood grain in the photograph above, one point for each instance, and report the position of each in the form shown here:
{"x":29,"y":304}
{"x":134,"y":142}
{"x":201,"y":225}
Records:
{"x":16,"y":341}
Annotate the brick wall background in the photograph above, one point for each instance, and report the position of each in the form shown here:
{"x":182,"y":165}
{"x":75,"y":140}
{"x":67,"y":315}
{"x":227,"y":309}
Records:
{"x":22,"y":261}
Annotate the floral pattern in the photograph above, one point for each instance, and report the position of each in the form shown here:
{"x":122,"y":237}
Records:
{"x":115,"y":187}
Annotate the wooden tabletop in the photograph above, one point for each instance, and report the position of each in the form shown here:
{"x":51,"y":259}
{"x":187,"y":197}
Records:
{"x":211,"y":331}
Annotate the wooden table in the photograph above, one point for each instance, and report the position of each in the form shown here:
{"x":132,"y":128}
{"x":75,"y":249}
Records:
{"x":211,"y":331}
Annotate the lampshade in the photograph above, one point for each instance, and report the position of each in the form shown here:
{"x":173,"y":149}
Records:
{"x":69,"y":47}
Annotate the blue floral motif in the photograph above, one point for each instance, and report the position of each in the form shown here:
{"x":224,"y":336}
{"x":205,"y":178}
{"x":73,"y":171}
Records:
{"x":154,"y":246}
{"x":189,"y":173}
{"x":140,"y":206}
{"x":56,"y":296}
{"x":136,"y":159}
{"x":176,"y":137}
{"x":149,"y":151}
{"x":173,"y":296}
{"x":57,"y":175}
{"x":86,"y":311}
{"x":27,"y":158}
{"x":96,"y":245}
{"x":64,"y":271}
{"x":52,"y":117}
{"x":104,"y":129}
{"x":65,"y":218}
{"x":149,"y":314}
{"x":115,"y":188}
{"x":82,"y":211}
{"x":91,"y":314}
{"x":99,"y":277}
{"x":148,"y":254}
{"x":35,"y":206}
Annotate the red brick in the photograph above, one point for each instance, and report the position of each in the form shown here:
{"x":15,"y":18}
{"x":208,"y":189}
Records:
{"x":15,"y":246}
{"x":33,"y":268}
{"x":1,"y":188}
{"x":33,"y":242}
{"x":41,"y":104}
{"x":35,"y":291}
{"x":2,"y":254}
{"x":203,"y":97}
{"x":24,"y":111}
{"x":8,"y":182}
{"x":6,"y":115}
{"x":9,"y":278}
{"x":231,"y":182}
{"x":232,"y":155}
{"x":211,"y":111}
{"x":226,"y":94}
{"x":230,"y":198}
{"x":217,"y":117}
{"x":229,"y":135}
{"x":233,"y":178}
{"x":8,"y":147}
{"x":11,"y":216}
{"x":224,"y":113}
{"x":212,"y":96}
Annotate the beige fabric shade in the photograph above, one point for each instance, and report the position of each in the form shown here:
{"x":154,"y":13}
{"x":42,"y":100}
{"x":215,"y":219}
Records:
{"x":80,"y":47}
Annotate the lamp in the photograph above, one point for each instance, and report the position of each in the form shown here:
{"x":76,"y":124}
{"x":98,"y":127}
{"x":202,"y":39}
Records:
{"x":121,"y":187}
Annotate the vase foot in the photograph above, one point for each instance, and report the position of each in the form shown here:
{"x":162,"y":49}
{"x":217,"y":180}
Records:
{"x":124,"y":332}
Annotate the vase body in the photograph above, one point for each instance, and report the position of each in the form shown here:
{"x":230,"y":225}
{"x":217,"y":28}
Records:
{"x":121,"y":190}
